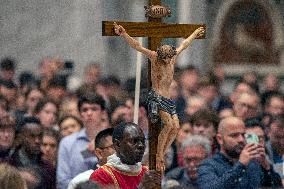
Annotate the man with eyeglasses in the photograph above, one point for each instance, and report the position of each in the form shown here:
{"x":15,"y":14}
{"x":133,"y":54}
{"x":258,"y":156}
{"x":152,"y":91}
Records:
{"x":194,"y":150}
{"x":103,"y":149}
{"x":247,"y":105}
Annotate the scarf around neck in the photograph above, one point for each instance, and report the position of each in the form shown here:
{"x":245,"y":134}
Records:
{"x":114,"y":161}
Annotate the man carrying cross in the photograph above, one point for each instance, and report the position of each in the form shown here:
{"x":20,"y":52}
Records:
{"x":159,"y":102}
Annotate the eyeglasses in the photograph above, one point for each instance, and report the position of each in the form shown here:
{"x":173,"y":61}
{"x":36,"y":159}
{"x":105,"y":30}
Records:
{"x":106,"y":147}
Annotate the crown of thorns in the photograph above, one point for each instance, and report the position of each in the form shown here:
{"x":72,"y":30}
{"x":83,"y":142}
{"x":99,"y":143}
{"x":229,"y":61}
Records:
{"x":166,"y":51}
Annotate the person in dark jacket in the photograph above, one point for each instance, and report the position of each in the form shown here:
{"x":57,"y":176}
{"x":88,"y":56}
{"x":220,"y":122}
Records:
{"x":194,"y":150}
{"x":238,"y":165}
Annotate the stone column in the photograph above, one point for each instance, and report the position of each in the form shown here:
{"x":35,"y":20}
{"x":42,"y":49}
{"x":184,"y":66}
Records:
{"x":192,"y":12}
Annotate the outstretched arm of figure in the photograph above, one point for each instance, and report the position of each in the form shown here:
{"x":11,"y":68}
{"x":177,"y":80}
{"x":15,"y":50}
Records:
{"x":119,"y":30}
{"x":196,"y":34}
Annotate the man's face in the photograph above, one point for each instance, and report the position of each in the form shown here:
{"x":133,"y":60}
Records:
{"x":204,"y":128}
{"x":246,"y":106}
{"x":33,"y":136}
{"x":106,"y":150}
{"x":7,"y":136}
{"x":259,"y":132}
{"x":276,"y":135}
{"x":91,"y":114}
{"x":131,"y":148}
{"x":275,"y":107}
{"x":232,"y":140}
{"x":192,"y":157}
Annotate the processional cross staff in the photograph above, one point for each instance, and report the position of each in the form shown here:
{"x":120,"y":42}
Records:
{"x":161,"y":69}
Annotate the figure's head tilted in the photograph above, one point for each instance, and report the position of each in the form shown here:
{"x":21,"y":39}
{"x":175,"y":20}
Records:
{"x":166,"y":52}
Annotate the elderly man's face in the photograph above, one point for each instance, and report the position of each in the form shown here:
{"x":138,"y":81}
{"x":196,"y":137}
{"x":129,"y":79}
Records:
{"x":193,"y":156}
{"x":131,"y":148}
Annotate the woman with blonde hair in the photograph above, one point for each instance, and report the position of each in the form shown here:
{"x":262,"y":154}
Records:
{"x":10,"y":178}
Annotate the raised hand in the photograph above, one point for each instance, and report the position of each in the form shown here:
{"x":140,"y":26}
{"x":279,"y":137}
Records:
{"x":118,"y":29}
{"x":262,"y":158}
{"x":199,"y":32}
{"x":160,"y":164}
{"x":250,"y":151}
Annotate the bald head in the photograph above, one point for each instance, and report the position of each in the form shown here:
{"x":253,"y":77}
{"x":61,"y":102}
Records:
{"x":226,"y":124}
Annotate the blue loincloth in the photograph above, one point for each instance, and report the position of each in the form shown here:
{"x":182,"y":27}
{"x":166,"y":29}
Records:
{"x":157,"y":102}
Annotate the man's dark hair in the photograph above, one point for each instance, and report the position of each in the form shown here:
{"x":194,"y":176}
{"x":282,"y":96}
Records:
{"x":58,"y":81}
{"x":8,"y":64}
{"x":41,"y":103}
{"x":27,"y":78}
{"x":99,"y":140}
{"x":8,"y":84}
{"x":205,"y":115}
{"x":27,"y":120}
{"x":254,"y":122}
{"x":91,"y":99}
{"x":119,"y":130}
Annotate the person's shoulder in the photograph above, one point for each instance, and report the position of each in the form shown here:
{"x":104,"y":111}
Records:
{"x":102,"y":175}
{"x":82,"y":177}
{"x":215,"y":159}
{"x":68,"y":140}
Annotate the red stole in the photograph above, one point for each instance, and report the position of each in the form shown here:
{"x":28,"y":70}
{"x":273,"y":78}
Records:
{"x":107,"y":175}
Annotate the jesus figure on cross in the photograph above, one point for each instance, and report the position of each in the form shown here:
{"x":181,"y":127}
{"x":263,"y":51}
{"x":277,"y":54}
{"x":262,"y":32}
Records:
{"x":159,"y":103}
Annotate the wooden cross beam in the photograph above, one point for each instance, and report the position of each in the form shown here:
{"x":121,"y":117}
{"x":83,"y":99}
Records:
{"x":155,"y":30}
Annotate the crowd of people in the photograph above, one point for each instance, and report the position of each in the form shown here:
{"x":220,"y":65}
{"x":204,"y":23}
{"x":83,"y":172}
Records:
{"x":58,"y":133}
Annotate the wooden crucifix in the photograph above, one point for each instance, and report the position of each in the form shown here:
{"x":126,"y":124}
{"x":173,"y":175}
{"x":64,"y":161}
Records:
{"x":155,"y":30}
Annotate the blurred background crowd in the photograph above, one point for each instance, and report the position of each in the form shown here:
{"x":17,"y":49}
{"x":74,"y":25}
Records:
{"x":42,"y":112}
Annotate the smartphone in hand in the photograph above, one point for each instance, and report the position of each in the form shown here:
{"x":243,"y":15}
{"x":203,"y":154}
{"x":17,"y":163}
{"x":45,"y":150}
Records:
{"x":251,"y":138}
